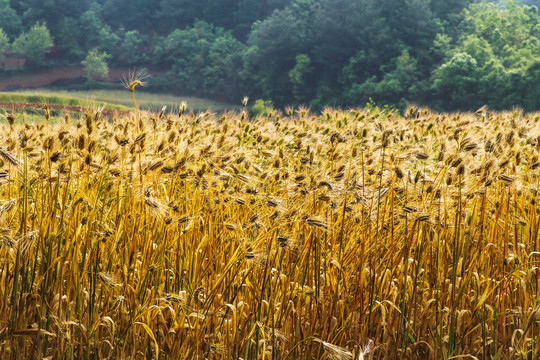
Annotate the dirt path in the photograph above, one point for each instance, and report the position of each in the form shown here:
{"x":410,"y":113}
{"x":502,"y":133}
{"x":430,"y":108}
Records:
{"x":38,"y":79}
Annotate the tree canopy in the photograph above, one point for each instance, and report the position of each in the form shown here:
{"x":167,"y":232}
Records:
{"x":448,"y":54}
{"x":95,"y":65}
{"x":34,"y":43}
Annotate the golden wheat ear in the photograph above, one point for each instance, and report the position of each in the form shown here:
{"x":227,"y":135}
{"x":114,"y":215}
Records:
{"x":8,"y":157}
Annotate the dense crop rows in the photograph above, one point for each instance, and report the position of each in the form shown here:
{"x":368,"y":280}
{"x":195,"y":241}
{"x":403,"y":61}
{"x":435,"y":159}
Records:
{"x":349,"y":234}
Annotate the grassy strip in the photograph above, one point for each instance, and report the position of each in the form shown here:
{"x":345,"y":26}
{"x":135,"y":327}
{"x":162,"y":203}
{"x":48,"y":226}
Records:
{"x":144,"y":100}
{"x":56,"y":99}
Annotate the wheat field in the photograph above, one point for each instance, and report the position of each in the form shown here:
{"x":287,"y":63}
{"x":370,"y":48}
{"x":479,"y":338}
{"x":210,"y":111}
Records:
{"x":346,"y":234}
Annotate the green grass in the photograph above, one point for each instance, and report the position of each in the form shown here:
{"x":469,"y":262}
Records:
{"x":39,"y":97}
{"x":123,"y":97}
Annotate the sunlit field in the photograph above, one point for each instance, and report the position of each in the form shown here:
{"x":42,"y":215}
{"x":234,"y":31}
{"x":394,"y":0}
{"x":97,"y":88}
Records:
{"x":336,"y":235}
{"x":149,"y":101}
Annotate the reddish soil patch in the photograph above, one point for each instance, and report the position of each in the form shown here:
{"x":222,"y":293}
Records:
{"x":48,"y":77}
{"x":75,"y":109}
{"x":44,"y":78}
{"x":9,"y":63}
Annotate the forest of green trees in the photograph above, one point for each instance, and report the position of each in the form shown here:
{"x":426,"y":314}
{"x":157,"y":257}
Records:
{"x":447,"y":54}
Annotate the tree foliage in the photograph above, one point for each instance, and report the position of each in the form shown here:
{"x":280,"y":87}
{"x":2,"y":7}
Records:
{"x":493,"y":60}
{"x":4,"y":45}
{"x":34,"y":43}
{"x":449,"y":54}
{"x":204,"y":60}
{"x":95,"y":65}
{"x":10,"y":21}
